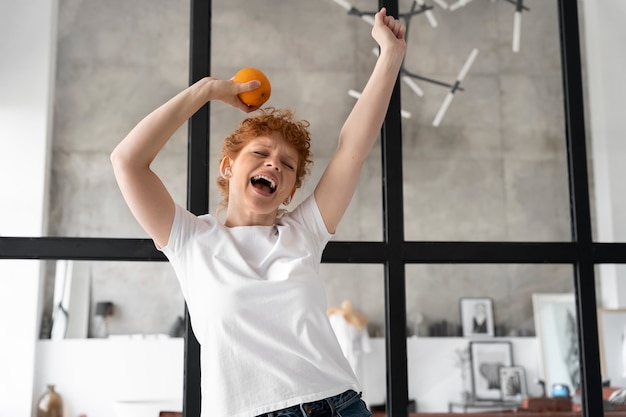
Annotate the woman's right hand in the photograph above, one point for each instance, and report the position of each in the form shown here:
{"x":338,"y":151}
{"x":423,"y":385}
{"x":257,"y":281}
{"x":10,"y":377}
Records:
{"x":227,"y":91}
{"x":388,"y":31}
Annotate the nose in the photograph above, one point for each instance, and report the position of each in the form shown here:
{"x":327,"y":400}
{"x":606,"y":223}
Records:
{"x":272,"y":164}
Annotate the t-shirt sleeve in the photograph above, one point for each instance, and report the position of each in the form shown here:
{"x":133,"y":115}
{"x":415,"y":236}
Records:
{"x":308,"y":215}
{"x":184,"y":227}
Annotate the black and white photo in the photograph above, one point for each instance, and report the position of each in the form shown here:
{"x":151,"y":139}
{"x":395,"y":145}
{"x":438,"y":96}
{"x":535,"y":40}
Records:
{"x":512,"y":383}
{"x":477,"y":317}
{"x":487,"y":358}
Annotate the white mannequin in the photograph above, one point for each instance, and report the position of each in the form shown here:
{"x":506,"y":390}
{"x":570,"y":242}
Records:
{"x":350,"y":326}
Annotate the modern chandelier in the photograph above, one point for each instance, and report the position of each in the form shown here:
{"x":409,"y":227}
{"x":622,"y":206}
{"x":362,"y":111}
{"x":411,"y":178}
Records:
{"x":418,"y":7}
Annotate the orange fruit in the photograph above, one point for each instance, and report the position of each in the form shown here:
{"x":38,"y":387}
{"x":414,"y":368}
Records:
{"x":259,"y":95}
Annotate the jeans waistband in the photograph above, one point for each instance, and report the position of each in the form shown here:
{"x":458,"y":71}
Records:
{"x":326,"y":406}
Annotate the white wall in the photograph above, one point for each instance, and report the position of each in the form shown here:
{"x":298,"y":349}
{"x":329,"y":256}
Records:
{"x":91,"y":375}
{"x":113,"y":370}
{"x":434,"y":377}
{"x":27,"y":55}
{"x":604,"y":33}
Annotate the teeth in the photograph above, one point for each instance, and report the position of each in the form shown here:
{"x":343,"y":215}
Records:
{"x":268,"y":179}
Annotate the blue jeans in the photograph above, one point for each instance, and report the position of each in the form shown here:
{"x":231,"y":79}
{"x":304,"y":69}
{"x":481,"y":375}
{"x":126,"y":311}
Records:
{"x":348,"y":404}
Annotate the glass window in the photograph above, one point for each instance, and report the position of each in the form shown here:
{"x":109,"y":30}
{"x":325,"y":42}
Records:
{"x":465,"y":317}
{"x":611,"y":328}
{"x":604,"y":99}
{"x":312,"y":74}
{"x":115,"y":64}
{"x":494,"y":167}
{"x":101,"y":320}
{"x":84,"y":299}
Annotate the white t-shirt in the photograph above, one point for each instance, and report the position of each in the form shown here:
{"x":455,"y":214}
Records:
{"x":258,"y":310}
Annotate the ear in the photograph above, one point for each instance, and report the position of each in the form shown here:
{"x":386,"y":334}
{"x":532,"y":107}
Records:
{"x":288,"y":200}
{"x":225,"y":165}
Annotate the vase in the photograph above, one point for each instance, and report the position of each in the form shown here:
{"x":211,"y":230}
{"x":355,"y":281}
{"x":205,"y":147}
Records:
{"x":50,"y":404}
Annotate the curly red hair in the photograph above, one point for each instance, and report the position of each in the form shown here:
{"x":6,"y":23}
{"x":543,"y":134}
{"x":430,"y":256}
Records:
{"x":270,"y":119}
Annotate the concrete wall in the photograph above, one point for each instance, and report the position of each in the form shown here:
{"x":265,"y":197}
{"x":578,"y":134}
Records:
{"x":494,"y":170}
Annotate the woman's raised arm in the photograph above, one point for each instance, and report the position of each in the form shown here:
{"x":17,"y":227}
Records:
{"x":360,"y":130}
{"x":144,"y":192}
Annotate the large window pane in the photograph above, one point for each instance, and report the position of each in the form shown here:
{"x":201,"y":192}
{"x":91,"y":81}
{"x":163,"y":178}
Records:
{"x":145,"y":300}
{"x":84,"y":347}
{"x":495,"y":167}
{"x":313,"y":53}
{"x":612,"y":330}
{"x":530,"y":309}
{"x":116,"y":62}
{"x":604,"y":99}
{"x":611,"y":325}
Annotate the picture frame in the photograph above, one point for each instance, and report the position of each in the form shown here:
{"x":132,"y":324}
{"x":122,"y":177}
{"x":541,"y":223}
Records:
{"x":486,"y":359}
{"x":557,"y":333}
{"x":612,"y":335}
{"x":477,"y":317}
{"x":513,"y":383}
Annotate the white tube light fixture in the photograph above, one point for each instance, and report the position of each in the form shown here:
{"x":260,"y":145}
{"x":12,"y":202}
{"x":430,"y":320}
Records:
{"x":458,"y":4}
{"x":355,"y":94}
{"x":429,"y":14}
{"x":448,"y":100}
{"x":412,"y":85}
{"x":517,"y":27}
{"x":442,"y":4}
{"x":344,"y":4}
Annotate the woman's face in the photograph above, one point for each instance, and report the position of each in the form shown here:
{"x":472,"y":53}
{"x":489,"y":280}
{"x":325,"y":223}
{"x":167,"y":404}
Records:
{"x":263,"y":175}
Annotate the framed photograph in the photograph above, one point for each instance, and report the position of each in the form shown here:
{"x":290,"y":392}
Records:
{"x":487,"y":358}
{"x":612,"y":333}
{"x":477,"y":317}
{"x":512,"y":383}
{"x":557,"y":332}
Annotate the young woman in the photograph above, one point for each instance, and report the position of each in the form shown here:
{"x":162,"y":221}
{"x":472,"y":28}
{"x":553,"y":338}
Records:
{"x":251,"y":281}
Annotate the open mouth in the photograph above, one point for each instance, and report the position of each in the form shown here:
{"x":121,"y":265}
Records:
{"x":264,"y":183}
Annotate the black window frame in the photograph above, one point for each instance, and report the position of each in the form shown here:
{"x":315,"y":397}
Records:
{"x":394,"y":252}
